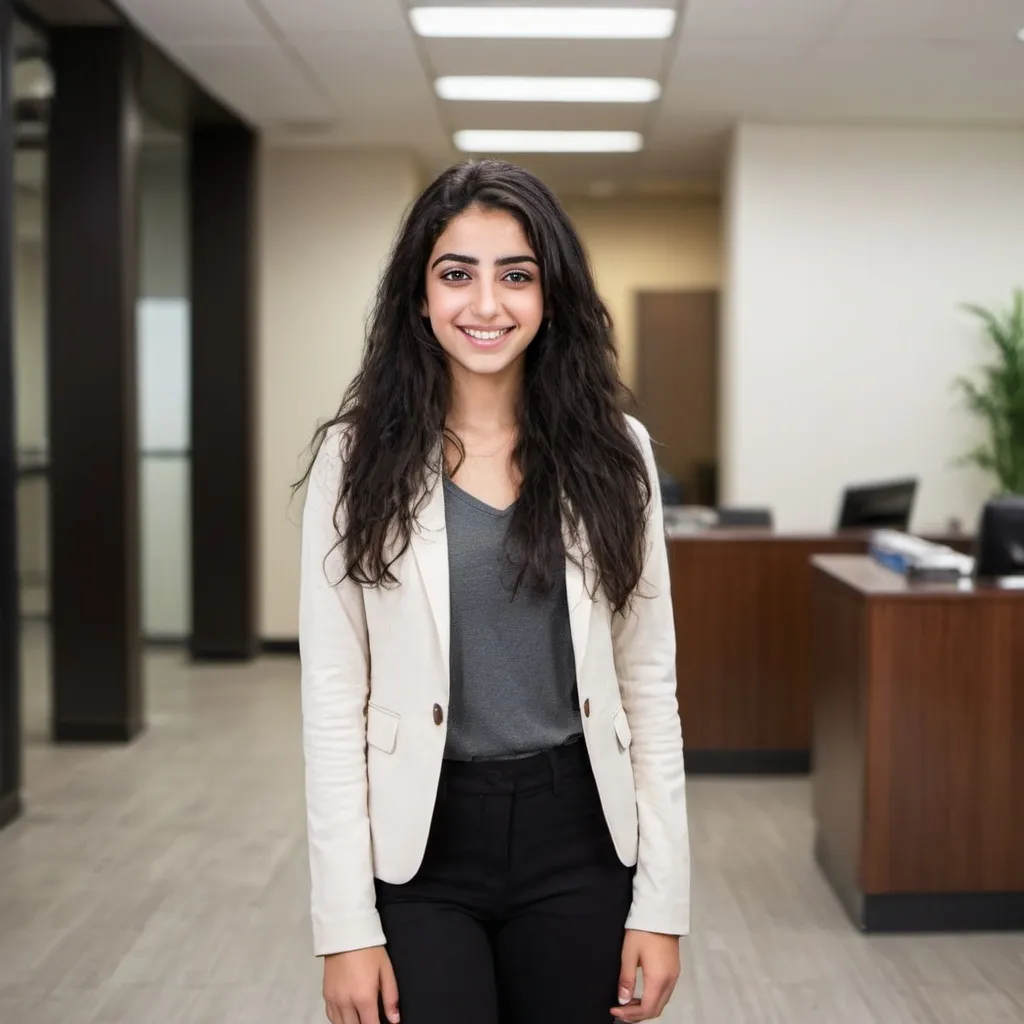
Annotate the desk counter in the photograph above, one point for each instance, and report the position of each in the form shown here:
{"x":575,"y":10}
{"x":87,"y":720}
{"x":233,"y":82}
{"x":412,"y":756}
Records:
{"x":742,"y":601}
{"x":918,"y":739}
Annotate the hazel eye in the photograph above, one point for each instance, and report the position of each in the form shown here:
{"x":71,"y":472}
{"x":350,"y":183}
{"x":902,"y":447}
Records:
{"x":518,"y":277}
{"x":448,"y":275}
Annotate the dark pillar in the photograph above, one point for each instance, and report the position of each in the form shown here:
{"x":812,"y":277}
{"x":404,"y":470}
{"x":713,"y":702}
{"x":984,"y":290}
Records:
{"x":10,"y":627}
{"x":223,"y":251}
{"x":97,"y":691}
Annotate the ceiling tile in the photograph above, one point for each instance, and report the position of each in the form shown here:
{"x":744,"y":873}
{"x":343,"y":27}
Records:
{"x":338,"y":15}
{"x":371,"y":75}
{"x":761,"y":19}
{"x":379,"y":54}
{"x":196,"y":21}
{"x":259,"y":81}
{"x":993,"y":21}
{"x":907,"y":81}
{"x":732,"y":76}
{"x":361,"y":70}
{"x":665,"y":132}
{"x":414,"y":133}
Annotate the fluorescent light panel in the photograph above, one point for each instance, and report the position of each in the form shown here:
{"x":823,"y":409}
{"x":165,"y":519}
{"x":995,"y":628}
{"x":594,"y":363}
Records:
{"x":503,"y":88}
{"x":487,"y":141}
{"x":543,"y":22}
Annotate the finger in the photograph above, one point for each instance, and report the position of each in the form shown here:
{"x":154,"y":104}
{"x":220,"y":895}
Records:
{"x":651,"y":1007}
{"x":349,"y":1014}
{"x":368,"y":1013}
{"x":389,"y":992}
{"x":656,"y":993}
{"x":631,"y":1014}
{"x":627,"y":977}
{"x":334,"y":1013}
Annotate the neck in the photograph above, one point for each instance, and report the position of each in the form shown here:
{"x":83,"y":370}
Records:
{"x":485,"y":403}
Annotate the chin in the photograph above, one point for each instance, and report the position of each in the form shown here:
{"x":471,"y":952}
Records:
{"x":487,"y":364}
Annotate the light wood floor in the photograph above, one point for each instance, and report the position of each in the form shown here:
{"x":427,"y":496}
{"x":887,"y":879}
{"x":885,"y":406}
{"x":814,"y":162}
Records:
{"x":166,"y":882}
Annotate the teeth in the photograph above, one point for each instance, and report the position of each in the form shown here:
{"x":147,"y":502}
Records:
{"x":487,"y":335}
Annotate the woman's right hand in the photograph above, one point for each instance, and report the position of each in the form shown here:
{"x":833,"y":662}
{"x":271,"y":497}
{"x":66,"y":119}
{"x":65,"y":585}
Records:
{"x":352,"y":983}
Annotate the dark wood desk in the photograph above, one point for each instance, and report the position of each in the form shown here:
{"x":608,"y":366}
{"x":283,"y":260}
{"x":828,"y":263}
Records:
{"x":742,"y":601}
{"x":918,"y":748}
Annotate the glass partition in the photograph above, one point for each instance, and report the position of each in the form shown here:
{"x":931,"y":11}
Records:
{"x":164,"y":386}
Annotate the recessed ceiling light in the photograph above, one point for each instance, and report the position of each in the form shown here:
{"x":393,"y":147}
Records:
{"x":499,"y":88}
{"x":488,"y":141}
{"x":543,"y":22}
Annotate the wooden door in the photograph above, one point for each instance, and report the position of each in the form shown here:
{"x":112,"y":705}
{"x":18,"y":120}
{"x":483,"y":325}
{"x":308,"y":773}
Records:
{"x":677,"y":385}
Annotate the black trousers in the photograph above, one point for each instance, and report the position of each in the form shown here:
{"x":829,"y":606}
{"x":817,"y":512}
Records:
{"x":518,"y":912}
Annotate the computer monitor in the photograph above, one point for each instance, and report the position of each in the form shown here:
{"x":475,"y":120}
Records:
{"x":744,"y":517}
{"x":999,"y":549}
{"x":880,"y":506}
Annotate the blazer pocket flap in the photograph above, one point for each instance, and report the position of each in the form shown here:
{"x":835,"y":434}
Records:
{"x":621,"y":723}
{"x":381,"y":728}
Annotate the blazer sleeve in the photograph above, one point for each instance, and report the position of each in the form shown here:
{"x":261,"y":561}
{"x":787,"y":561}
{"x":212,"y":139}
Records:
{"x":645,"y":661}
{"x":334,"y":651}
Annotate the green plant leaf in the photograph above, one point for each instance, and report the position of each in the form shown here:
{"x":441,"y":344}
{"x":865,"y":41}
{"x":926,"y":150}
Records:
{"x":996,"y":397}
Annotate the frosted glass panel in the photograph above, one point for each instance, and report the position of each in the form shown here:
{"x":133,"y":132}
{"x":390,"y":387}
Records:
{"x":164,"y":392}
{"x":164,"y":371}
{"x":166,"y":547}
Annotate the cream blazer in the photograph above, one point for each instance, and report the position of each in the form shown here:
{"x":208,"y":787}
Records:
{"x":375,"y":687}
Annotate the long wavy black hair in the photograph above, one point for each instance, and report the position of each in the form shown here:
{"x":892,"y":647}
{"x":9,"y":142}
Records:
{"x":579,"y":463}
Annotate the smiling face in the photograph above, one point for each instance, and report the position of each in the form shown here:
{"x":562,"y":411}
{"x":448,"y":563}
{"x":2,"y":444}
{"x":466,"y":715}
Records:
{"x":483,"y":292}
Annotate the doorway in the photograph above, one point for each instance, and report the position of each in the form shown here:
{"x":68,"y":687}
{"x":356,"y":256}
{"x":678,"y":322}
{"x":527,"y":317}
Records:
{"x":677,"y":387}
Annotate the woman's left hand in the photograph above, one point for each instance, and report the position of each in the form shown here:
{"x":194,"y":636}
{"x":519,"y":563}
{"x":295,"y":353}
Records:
{"x":658,"y":957}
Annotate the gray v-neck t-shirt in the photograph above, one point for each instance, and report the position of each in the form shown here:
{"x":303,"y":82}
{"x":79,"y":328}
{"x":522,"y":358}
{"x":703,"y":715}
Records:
{"x":513,"y":674}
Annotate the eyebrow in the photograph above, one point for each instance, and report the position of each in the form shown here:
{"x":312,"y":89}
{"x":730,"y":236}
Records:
{"x":454,"y":257}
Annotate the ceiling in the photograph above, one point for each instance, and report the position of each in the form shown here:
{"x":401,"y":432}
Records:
{"x":352,"y":73}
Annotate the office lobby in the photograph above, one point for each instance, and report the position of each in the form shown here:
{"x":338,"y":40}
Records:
{"x":805,"y":218}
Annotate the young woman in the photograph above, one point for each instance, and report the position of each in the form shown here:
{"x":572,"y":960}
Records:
{"x":494,"y":766}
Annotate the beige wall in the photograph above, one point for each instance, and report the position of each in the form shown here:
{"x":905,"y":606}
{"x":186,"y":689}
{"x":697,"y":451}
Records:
{"x":647,"y":244}
{"x":327,"y":221}
{"x":850,"y":251}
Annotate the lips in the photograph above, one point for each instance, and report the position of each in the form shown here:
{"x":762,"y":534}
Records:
{"x":485,"y":337}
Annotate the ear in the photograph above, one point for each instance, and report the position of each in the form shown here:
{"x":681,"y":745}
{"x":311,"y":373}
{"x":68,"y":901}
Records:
{"x":424,"y":309}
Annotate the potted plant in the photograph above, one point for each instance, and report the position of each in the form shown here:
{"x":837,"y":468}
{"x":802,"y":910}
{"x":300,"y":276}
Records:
{"x":996,"y":397}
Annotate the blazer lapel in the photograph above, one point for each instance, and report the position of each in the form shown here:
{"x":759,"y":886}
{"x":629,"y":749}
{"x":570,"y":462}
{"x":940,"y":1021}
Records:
{"x":429,"y":543}
{"x":581,"y":604}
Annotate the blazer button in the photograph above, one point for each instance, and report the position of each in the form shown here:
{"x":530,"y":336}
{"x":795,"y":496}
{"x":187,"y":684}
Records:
{"x":586,"y":708}
{"x":438,"y":714}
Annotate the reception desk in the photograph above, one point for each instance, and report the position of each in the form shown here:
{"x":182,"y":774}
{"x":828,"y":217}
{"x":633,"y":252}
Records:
{"x":918,"y":776}
{"x":742,"y":602}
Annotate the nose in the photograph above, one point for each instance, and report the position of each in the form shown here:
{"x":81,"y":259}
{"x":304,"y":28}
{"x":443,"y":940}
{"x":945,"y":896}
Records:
{"x":485,"y":303}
